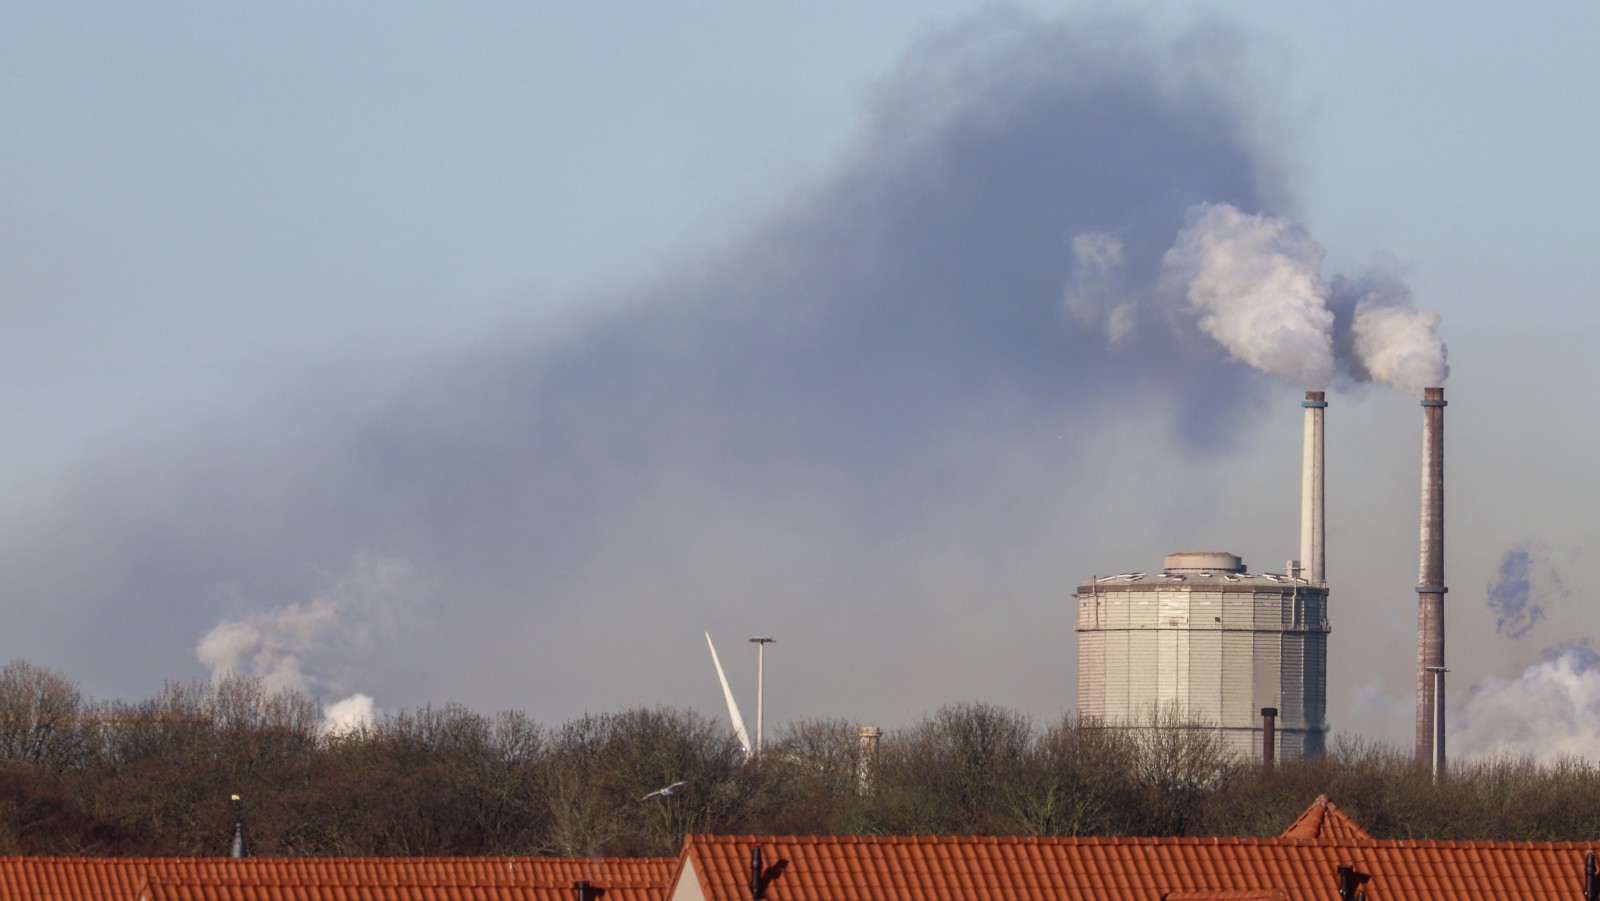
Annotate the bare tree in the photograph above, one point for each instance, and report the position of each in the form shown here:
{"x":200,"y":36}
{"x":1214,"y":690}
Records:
{"x":40,"y":717}
{"x":952,"y":771}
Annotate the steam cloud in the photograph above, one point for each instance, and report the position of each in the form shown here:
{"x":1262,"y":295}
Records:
{"x":1252,"y":282}
{"x":310,"y":646}
{"x":1399,"y":346}
{"x":1551,"y":711}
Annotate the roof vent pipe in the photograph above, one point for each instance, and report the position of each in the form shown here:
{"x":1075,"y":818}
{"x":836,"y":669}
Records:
{"x":1269,"y":723}
{"x":758,"y":885}
{"x":584,"y":890}
{"x":1350,"y":883}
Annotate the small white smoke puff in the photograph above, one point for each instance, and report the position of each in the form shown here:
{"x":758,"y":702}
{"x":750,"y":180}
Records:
{"x":349,"y":715}
{"x":1551,"y":711}
{"x":1253,"y":283}
{"x":314,"y":646}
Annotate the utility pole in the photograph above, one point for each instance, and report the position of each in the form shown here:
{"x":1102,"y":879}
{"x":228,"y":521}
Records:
{"x":1438,"y":720}
{"x":761,"y":643}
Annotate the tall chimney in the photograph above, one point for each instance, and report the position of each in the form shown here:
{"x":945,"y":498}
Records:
{"x":867,"y":758}
{"x":1312,"y":519}
{"x":1430,"y":583}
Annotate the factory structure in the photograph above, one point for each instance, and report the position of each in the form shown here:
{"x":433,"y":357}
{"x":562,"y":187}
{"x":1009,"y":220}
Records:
{"x":1207,"y":641}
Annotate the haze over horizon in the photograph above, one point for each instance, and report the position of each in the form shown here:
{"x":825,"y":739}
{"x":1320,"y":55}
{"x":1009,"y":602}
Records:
{"x":494,"y":355}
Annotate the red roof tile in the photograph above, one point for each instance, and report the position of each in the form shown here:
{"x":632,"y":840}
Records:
{"x":1046,"y":869}
{"x":111,"y":878}
{"x":186,"y":890}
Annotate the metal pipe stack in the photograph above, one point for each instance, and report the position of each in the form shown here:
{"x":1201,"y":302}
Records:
{"x":1430,"y":586}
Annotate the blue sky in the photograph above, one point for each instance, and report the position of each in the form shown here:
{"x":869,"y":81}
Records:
{"x":278,"y":286}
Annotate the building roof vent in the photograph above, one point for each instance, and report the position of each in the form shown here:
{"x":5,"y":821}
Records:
{"x":1203,"y":561}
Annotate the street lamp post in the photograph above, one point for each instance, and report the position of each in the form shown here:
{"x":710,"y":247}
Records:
{"x":761,"y":643}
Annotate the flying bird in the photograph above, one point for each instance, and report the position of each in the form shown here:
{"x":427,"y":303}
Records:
{"x":670,"y":791}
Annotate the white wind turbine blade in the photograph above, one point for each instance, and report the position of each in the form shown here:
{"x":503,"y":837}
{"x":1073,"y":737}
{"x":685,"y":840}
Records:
{"x":733,"y":707}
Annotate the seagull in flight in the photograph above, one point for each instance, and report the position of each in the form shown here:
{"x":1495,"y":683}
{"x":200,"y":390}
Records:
{"x":670,"y":791}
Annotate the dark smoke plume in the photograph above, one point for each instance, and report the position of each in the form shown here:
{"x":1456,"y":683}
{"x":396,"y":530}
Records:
{"x":872,"y":428}
{"x":1511,"y":596}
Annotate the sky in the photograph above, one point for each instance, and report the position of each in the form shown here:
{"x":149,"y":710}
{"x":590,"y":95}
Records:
{"x":407,"y":354}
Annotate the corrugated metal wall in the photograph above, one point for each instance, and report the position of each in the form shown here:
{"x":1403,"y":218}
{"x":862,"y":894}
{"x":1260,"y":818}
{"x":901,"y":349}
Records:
{"x":1219,"y":653}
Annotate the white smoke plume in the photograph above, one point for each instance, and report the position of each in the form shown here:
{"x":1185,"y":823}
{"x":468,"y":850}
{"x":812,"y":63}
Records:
{"x":349,"y":715}
{"x":1253,"y":283}
{"x":316,"y":646}
{"x":1399,"y":346}
{"x":1550,"y":711}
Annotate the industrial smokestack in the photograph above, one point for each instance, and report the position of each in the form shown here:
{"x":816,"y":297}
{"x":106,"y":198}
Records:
{"x":1430,"y":585}
{"x":1312,"y":519}
{"x":867,"y":760}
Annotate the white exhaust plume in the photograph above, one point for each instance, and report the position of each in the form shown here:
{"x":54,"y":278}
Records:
{"x":1398,"y":346}
{"x":1252,"y":281}
{"x":1552,"y":708}
{"x":315,"y":647}
{"x":1549,"y":712}
{"x":349,"y":715}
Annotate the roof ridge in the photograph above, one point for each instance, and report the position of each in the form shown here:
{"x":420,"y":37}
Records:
{"x":1324,"y":821}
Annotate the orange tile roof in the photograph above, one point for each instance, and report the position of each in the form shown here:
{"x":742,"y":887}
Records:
{"x":548,"y":878}
{"x":1324,"y":821}
{"x":185,"y":890}
{"x":1053,"y":869}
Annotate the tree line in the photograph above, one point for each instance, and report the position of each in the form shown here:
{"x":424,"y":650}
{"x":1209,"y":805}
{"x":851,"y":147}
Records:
{"x":153,"y":777}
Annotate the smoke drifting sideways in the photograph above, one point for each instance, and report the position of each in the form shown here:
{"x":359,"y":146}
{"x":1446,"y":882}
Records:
{"x":311,"y":647}
{"x":1549,"y":712}
{"x":1253,"y":283}
{"x":914,"y":404}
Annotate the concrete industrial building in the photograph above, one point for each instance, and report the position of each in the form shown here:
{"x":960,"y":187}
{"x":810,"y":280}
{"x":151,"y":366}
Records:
{"x":1210,"y":642}
{"x":1214,"y":643}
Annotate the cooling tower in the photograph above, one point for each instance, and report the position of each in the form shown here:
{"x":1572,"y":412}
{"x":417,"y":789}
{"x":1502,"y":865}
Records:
{"x":1430,"y":582}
